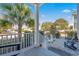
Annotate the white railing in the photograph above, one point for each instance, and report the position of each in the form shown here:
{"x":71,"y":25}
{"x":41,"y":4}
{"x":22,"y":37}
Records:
{"x":10,"y":43}
{"x":43,"y":40}
{"x":46,"y":41}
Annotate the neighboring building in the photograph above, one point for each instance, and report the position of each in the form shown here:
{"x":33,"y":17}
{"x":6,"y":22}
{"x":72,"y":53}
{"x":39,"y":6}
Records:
{"x":74,"y":18}
{"x":14,"y":28}
{"x":24,"y":27}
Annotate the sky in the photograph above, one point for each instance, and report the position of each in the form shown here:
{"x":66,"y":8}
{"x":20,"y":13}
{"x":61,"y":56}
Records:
{"x":50,"y":12}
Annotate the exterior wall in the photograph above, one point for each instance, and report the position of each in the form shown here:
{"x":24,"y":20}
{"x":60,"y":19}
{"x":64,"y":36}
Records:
{"x":74,"y":18}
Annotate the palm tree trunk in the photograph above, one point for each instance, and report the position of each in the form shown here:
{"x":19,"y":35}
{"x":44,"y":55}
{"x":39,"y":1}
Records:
{"x":19,"y":31}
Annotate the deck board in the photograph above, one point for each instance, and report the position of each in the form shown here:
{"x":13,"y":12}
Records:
{"x":38,"y":52}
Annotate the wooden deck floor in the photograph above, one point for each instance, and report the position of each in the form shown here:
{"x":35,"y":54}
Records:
{"x":38,"y":52}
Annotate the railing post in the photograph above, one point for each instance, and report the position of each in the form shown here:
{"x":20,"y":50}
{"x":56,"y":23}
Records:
{"x":18,"y":47}
{"x":44,"y":44}
{"x":25,"y":39}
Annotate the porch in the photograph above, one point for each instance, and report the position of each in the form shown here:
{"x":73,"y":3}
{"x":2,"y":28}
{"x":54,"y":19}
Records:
{"x":30,"y":42}
{"x":12,"y":47}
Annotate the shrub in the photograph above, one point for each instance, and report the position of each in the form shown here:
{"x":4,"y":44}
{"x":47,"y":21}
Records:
{"x":57,"y":35}
{"x":73,"y":35}
{"x":70,"y":34}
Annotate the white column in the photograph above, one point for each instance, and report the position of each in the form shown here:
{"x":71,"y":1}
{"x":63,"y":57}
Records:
{"x":36,"y":24}
{"x":78,"y":20}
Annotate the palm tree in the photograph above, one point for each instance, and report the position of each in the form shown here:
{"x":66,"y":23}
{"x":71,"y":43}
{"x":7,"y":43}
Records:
{"x":17,"y":13}
{"x":30,"y":23}
{"x":4,"y":25}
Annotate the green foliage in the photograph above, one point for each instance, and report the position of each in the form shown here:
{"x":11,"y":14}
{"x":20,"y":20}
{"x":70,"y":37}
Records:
{"x":46,"y":26}
{"x":71,"y":27}
{"x":30,"y":22}
{"x":71,"y":34}
{"x":17,"y":13}
{"x":53,"y":29}
{"x":61,"y":24}
{"x":4,"y":25}
{"x":57,"y":34}
{"x":4,"y":22}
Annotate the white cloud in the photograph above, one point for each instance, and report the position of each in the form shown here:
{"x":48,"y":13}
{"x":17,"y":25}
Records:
{"x":66,"y":11}
{"x":74,"y":9}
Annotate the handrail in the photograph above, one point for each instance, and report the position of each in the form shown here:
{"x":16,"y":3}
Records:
{"x":27,"y":41}
{"x":13,"y":44}
{"x":9,"y":44}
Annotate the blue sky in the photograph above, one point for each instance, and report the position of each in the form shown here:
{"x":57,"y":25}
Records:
{"x":52,"y":11}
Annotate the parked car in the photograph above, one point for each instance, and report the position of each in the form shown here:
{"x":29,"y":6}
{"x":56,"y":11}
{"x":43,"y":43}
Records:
{"x":70,"y":44}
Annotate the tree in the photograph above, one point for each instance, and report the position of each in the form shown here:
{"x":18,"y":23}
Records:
{"x":71,"y":28}
{"x":17,"y":13}
{"x":61,"y":24}
{"x":4,"y":25}
{"x":49,"y":26}
{"x":53,"y":29}
{"x":30,"y":22}
{"x":46,"y":26}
